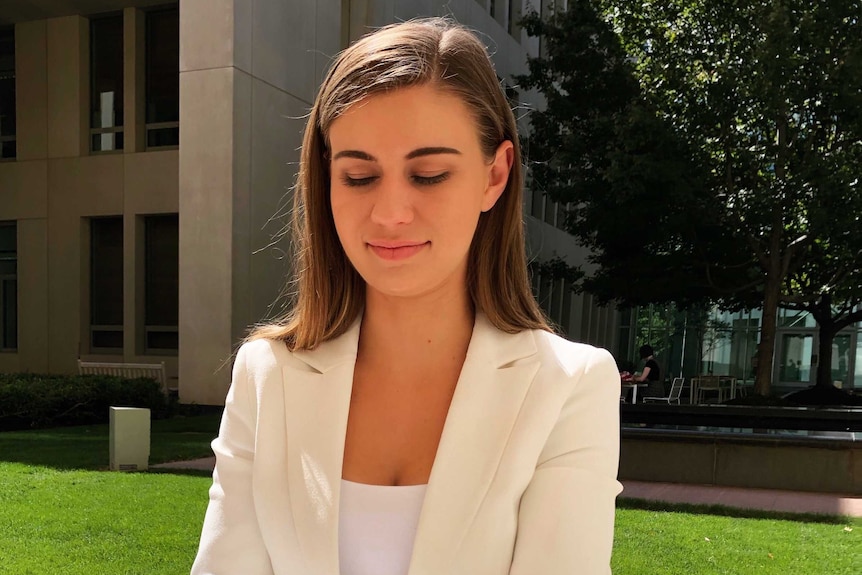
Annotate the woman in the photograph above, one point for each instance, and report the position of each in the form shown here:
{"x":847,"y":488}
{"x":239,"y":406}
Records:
{"x":414,"y":413}
{"x":651,"y":373}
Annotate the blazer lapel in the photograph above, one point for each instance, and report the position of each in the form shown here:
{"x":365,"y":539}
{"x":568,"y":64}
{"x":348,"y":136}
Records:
{"x":316,"y":403}
{"x":490,"y":390}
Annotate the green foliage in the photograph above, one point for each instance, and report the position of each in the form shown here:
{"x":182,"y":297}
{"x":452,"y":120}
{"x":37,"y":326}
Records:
{"x":38,"y":401}
{"x":713,"y":151}
{"x":600,"y":146}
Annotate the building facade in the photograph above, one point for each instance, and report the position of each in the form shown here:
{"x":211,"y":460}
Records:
{"x":148,"y":155}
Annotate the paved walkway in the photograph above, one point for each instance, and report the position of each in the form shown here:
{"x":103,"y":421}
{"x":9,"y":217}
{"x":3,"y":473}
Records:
{"x":736,"y":497}
{"x":744,"y":498}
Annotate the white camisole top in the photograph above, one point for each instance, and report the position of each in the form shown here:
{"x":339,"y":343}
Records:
{"x":376,"y":527}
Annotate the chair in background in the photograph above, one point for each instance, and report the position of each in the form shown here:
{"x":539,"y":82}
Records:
{"x":710,"y":384}
{"x":673,"y":395}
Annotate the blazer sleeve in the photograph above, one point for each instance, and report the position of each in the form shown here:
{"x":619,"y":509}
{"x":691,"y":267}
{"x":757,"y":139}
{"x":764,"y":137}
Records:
{"x":566,"y":516}
{"x":230,"y":539}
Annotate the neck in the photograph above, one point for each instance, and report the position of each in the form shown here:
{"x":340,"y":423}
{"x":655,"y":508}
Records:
{"x":418,"y":331}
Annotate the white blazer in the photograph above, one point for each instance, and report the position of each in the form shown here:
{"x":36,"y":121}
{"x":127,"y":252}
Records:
{"x":523,"y":483}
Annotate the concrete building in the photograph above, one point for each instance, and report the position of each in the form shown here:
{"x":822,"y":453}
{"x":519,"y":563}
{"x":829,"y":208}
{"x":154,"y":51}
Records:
{"x":148,"y":151}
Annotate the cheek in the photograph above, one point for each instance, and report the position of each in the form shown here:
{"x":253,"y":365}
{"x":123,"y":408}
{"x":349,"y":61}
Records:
{"x":344,"y":216}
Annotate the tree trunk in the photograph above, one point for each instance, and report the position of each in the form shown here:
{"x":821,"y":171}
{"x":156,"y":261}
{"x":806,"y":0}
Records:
{"x":828,"y":330}
{"x":766,"y":348}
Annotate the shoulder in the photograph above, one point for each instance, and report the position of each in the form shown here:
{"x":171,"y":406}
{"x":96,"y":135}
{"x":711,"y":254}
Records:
{"x":569,"y":358}
{"x":572,"y":371}
{"x":259,"y":357}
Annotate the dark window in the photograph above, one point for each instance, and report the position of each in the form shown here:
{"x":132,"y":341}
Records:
{"x":7,"y":93}
{"x":492,"y":8}
{"x":163,"y":78}
{"x":106,"y":283}
{"x":566,"y":316}
{"x":556,"y":306}
{"x":161,"y":288}
{"x":514,"y":15}
{"x":537,"y":205}
{"x":106,"y":83}
{"x":550,"y":211}
{"x":546,"y":287}
{"x":8,"y":286}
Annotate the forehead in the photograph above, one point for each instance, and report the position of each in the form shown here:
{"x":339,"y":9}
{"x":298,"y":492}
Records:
{"x":403,"y":119}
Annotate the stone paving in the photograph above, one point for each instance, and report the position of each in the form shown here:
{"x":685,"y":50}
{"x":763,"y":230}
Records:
{"x":736,"y":497}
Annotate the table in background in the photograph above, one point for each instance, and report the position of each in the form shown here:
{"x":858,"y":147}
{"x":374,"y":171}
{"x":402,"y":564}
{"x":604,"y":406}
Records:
{"x":626,"y":385}
{"x":723,"y":381}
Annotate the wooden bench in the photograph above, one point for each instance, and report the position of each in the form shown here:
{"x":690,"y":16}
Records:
{"x":128,"y":370}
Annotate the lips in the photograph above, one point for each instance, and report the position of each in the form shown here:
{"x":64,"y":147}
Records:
{"x":395,"y":251}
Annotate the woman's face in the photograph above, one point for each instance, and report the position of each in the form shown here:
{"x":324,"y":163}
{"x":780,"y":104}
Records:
{"x":409,"y":181}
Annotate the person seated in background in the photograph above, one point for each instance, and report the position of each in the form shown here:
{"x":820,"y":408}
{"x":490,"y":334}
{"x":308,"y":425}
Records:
{"x":651,"y":373}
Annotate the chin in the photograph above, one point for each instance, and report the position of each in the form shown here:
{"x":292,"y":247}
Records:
{"x":399,"y":290}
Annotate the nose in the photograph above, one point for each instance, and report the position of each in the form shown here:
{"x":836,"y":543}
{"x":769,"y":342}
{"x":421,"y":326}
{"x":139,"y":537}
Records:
{"x":392,"y":203}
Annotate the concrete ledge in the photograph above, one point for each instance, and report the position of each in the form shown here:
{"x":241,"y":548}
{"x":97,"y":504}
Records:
{"x":822,"y":464}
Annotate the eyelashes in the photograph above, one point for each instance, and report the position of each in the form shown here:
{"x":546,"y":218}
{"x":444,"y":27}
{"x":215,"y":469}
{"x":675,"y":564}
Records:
{"x":419,"y":180}
{"x":356,"y":182}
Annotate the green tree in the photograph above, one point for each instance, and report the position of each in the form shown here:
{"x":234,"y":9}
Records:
{"x":738,"y":125}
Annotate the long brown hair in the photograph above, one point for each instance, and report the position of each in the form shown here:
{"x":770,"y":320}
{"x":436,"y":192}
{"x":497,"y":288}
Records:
{"x":329,"y":292}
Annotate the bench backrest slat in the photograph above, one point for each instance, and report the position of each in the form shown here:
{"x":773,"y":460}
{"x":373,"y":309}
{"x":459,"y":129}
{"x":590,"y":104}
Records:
{"x":127,"y":370}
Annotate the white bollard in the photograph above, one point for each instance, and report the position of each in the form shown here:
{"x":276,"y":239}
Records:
{"x":129,"y":438}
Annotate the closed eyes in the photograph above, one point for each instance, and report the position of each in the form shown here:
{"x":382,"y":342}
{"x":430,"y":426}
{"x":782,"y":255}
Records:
{"x":419,"y":180}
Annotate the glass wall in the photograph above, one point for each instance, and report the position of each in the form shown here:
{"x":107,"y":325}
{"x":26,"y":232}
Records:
{"x":698,"y":342}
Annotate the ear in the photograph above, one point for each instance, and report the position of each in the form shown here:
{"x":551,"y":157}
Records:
{"x":498,"y":174}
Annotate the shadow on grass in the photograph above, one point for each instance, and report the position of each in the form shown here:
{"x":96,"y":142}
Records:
{"x":724,"y":511}
{"x":188,"y":472}
{"x":87,"y":447}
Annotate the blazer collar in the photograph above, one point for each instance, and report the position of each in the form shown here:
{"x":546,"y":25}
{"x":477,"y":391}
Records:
{"x":487,"y":342}
{"x":334,"y":351}
{"x":497,"y":373}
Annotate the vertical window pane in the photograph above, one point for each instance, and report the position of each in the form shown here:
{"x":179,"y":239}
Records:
{"x":106,"y":80}
{"x":550,"y":211}
{"x":7,"y":93}
{"x":162,"y":281}
{"x":545,"y":287}
{"x":857,"y":371}
{"x":106,"y":281}
{"x":556,"y":309}
{"x":9,"y":293}
{"x":795,"y":358}
{"x":565,"y":320}
{"x":163,"y":77}
{"x":8,"y":285}
{"x":514,"y":16}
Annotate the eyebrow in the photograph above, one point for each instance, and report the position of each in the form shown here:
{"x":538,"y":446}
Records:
{"x":417,"y":153}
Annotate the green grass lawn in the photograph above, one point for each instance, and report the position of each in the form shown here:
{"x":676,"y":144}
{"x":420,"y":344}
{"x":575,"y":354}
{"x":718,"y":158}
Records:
{"x":663,"y":539}
{"x":61,"y":513}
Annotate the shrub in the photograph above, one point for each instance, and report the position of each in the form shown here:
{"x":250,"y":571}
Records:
{"x":32,"y":400}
